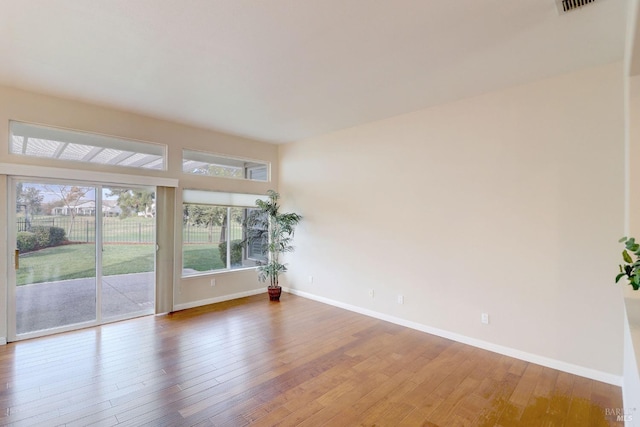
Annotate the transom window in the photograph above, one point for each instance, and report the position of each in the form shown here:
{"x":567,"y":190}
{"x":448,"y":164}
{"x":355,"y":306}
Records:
{"x":209,"y":164}
{"x":61,"y":144}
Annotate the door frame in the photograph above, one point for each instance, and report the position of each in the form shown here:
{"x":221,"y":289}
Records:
{"x":12,"y":180}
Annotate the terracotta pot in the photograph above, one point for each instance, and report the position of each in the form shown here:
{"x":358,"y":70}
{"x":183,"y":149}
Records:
{"x":274,"y":293}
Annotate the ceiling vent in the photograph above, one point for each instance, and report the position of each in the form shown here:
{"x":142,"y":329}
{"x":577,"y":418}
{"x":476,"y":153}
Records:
{"x":569,"y":5}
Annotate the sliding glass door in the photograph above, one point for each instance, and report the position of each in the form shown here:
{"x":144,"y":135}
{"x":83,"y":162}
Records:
{"x":84,"y":255}
{"x":128,"y":252}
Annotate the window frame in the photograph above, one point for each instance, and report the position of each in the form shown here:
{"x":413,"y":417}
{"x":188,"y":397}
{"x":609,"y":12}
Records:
{"x":246,"y":165}
{"x":220,"y":200}
{"x":90,"y":146}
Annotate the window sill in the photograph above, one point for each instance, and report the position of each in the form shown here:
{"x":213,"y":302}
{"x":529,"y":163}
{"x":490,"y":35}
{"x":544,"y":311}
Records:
{"x":215,"y":273}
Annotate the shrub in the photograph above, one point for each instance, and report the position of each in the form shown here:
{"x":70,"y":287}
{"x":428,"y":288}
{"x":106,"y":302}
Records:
{"x":26,"y":241}
{"x":58,"y":236}
{"x":48,"y":236}
{"x":236,"y":252}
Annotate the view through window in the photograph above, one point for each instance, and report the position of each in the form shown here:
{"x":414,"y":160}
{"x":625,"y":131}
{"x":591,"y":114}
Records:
{"x":215,"y":239}
{"x":209,"y":164}
{"x":77,"y":242}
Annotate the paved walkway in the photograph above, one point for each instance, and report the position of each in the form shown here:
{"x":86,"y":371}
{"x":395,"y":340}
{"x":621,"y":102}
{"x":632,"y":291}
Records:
{"x":52,"y":304}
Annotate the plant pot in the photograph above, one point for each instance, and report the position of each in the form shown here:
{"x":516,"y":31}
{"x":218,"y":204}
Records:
{"x":274,"y":293}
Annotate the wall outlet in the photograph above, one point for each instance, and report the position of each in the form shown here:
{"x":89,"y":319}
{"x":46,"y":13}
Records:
{"x":310,"y":280}
{"x":400,"y":299}
{"x":484,"y":318}
{"x":371,"y":293}
{"x":213,"y":282}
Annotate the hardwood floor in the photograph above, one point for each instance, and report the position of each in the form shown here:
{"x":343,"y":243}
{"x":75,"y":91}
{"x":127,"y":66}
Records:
{"x":297,"y":362}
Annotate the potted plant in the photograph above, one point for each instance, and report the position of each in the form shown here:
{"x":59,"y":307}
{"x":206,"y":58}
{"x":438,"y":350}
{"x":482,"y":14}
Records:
{"x":274,"y":231}
{"x":630,"y":267}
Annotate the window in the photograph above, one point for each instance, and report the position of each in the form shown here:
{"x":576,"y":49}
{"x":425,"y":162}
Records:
{"x":214,"y":237}
{"x":61,"y":144}
{"x":255,"y":247}
{"x":208,"y":164}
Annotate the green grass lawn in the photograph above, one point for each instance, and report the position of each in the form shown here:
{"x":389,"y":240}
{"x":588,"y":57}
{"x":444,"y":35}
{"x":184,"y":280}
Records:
{"x":78,"y":261}
{"x":202,"y":257}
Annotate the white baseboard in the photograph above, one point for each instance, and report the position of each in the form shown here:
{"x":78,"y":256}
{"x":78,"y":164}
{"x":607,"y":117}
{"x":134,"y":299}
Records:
{"x":207,"y":301}
{"x":3,"y":340}
{"x":507,"y":351}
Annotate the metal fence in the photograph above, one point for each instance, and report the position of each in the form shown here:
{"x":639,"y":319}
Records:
{"x":82,"y":229}
{"x":210,"y":234}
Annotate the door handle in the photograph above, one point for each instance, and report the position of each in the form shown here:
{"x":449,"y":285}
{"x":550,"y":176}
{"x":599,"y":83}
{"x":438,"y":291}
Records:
{"x":16,"y":261}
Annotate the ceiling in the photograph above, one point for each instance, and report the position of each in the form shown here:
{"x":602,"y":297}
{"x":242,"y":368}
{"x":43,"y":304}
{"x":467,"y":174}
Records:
{"x":287,"y":70}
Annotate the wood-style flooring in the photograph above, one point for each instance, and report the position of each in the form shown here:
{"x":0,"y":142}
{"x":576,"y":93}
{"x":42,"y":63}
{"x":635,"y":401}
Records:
{"x":293,"y":363}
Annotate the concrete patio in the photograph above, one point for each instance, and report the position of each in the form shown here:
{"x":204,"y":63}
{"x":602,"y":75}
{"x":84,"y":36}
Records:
{"x":53,"y":304}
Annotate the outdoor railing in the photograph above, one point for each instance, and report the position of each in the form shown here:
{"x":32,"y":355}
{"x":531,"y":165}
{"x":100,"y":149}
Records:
{"x":130,"y":230}
{"x":82,"y":229}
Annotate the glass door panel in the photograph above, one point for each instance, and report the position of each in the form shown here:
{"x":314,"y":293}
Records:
{"x":56,"y":259}
{"x":61,"y":281}
{"x":128,"y":252}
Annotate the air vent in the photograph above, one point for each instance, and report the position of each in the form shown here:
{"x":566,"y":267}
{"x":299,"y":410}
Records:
{"x":569,"y":5}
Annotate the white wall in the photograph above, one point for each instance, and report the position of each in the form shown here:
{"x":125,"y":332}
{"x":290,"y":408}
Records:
{"x":510,"y":203}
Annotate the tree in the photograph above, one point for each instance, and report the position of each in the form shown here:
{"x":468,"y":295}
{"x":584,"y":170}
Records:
{"x":33,"y":198}
{"x":133,"y":201}
{"x":206,"y":216}
{"x":221,"y":171}
{"x":30,"y":197}
{"x":71,"y":197}
{"x":51,"y":205}
{"x":18,"y":196}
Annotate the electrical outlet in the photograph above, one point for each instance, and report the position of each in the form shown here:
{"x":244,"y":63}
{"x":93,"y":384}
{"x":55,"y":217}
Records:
{"x":400,"y":299}
{"x":371,"y":293}
{"x":310,"y":280}
{"x":484,"y":318}
{"x":213,"y":282}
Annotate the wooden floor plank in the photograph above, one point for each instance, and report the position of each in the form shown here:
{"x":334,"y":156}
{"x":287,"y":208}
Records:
{"x":296,"y":363}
